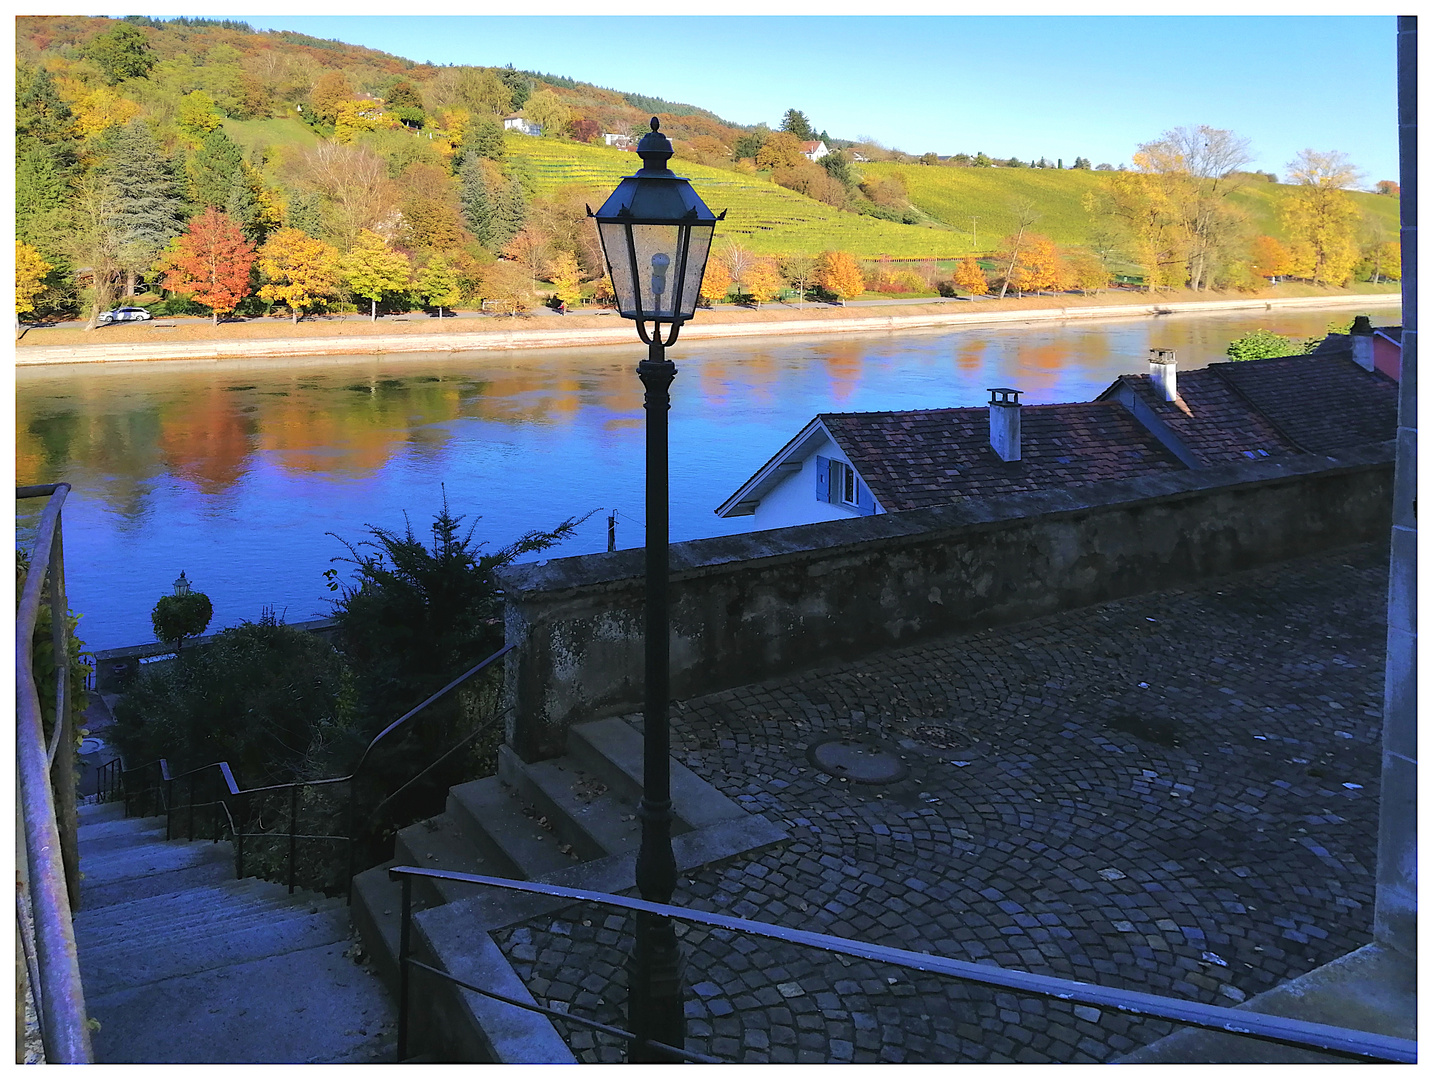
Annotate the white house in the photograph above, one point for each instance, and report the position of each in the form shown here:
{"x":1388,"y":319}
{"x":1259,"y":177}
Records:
{"x":620,"y":141}
{"x":814,"y":150}
{"x":517,"y":122}
{"x":810,"y":479}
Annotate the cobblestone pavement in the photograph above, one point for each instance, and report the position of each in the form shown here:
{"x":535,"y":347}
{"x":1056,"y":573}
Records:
{"x":1176,"y":793}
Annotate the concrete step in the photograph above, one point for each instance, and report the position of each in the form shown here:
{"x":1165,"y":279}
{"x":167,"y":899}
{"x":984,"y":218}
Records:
{"x":155,"y":858}
{"x":491,"y":812}
{"x":377,"y":917}
{"x":94,"y":896}
{"x":612,"y":750}
{"x":179,"y":901}
{"x":587,"y":815}
{"x":118,"y":827}
{"x":310,"y":1006}
{"x":106,"y":811}
{"x":228,"y":942}
{"x":201,"y":918}
{"x":442,"y":843}
{"x":99,"y":846}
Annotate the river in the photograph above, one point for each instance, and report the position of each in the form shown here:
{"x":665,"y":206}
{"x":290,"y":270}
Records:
{"x":236,"y":472}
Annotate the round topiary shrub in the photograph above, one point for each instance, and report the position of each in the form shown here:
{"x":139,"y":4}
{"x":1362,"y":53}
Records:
{"x":181,"y":616}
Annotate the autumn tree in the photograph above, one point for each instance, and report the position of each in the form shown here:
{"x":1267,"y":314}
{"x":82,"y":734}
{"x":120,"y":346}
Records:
{"x":1025,"y":216}
{"x":299,"y":271}
{"x":716,"y":282}
{"x":1383,"y":260}
{"x":970,"y":278}
{"x":1387,"y":187}
{"x":780,"y":150}
{"x":1270,"y":257}
{"x":354,"y":188}
{"x":331,"y":91}
{"x":737,"y":260}
{"x":483,"y":91}
{"x":838,"y":274}
{"x":1087,"y":272}
{"x":1321,"y":217}
{"x":440,"y":283}
{"x":566,"y":277}
{"x":197,"y":115}
{"x":97,"y":241}
{"x":371,"y":269}
{"x":30,"y":271}
{"x":763,"y":281}
{"x":1143,"y":219}
{"x":508,"y":284}
{"x":210,"y":263}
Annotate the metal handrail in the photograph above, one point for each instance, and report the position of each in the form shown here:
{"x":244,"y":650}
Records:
{"x":226,"y":776}
{"x":59,"y":995}
{"x":1277,"y":1029}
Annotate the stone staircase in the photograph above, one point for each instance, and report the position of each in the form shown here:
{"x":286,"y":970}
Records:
{"x":182,"y":963}
{"x":568,"y":821}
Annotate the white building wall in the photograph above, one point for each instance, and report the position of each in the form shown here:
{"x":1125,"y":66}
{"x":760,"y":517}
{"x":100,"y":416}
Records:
{"x":794,"y":502}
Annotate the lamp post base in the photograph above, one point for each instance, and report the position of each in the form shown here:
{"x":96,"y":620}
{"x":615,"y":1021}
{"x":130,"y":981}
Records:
{"x":656,"y":975}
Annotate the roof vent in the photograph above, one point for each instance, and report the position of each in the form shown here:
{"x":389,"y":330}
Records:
{"x":1162,"y":372}
{"x":1005,"y":422}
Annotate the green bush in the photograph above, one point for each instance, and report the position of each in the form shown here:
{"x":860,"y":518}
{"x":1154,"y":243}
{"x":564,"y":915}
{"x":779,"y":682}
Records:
{"x":265,"y":697}
{"x":178,"y":617}
{"x":1261,"y":344}
{"x":44,"y":650}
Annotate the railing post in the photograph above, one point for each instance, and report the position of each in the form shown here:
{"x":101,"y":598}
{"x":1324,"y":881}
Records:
{"x":62,"y":770}
{"x":293,"y":831}
{"x":165,"y":790}
{"x":192,"y":777}
{"x":214,"y":787}
{"x":241,"y":824}
{"x":403,"y":939}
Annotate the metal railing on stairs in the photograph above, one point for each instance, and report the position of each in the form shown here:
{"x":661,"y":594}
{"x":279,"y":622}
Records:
{"x":49,"y":864}
{"x":1343,"y":1042}
{"x":243,"y":815}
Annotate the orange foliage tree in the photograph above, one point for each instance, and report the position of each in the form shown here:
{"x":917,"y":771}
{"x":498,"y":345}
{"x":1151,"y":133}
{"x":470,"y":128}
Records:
{"x":716,"y":282}
{"x":210,"y":263}
{"x":970,"y":277}
{"x":1271,"y":258}
{"x":838,"y":274}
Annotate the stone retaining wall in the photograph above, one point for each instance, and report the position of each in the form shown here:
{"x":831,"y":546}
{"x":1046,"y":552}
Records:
{"x":755,"y":605}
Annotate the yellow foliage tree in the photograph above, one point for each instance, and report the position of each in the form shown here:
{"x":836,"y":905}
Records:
{"x":970,"y":278}
{"x":838,"y":274}
{"x":197,"y":115}
{"x":1087,"y":272}
{"x":102,"y":109}
{"x":440,"y":283}
{"x":30,"y":271}
{"x":566,"y":277}
{"x":299,"y":270}
{"x":353,"y":118}
{"x":716,"y":282}
{"x":546,"y":110}
{"x":455,"y":125}
{"x":781,"y":150}
{"x":763,"y":281}
{"x":371,"y":269}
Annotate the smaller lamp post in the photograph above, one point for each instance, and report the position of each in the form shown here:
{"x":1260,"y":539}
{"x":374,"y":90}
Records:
{"x":181,"y":585}
{"x":656,"y":235}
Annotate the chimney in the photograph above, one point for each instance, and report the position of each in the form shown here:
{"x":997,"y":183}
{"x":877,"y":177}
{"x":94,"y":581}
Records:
{"x":1005,"y":422}
{"x":1361,"y":337}
{"x":1162,"y":372}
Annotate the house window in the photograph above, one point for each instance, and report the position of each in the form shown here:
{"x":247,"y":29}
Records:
{"x":843,"y":483}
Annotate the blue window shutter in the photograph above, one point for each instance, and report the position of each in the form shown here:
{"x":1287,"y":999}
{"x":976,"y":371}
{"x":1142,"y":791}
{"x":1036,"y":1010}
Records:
{"x":823,"y":479}
{"x":865,"y":501}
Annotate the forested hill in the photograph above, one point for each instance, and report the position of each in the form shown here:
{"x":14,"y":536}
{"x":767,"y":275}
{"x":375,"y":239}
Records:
{"x":351,"y":176}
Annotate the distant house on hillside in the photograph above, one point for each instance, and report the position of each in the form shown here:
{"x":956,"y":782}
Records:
{"x":855,"y":156}
{"x":620,"y":141}
{"x":814,"y":150}
{"x":858,"y":464}
{"x":519,"y":123}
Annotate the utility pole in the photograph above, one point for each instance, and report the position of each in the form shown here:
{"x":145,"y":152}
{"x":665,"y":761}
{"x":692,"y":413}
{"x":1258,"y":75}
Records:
{"x":972,"y":234}
{"x":612,"y":531}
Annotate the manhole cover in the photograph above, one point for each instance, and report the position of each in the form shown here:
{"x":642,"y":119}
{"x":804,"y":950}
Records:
{"x":860,"y":759}
{"x":90,"y":746}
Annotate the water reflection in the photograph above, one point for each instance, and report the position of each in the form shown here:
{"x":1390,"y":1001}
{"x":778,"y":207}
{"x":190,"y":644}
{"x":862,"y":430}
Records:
{"x":235,"y":472}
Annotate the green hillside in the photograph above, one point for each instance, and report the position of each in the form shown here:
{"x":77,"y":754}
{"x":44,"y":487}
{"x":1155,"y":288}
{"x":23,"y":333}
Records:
{"x":766,"y":218}
{"x":953,"y":195}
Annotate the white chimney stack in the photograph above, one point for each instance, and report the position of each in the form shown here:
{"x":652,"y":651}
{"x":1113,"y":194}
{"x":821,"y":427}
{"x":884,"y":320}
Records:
{"x":1360,"y":336}
{"x":1005,"y":423}
{"x":1162,"y":372}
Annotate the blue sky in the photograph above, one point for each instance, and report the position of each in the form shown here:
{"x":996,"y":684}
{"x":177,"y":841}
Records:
{"x":1029,"y":86}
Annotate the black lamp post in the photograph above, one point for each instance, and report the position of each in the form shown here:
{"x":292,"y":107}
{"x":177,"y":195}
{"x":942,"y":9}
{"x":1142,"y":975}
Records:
{"x":656,"y":234}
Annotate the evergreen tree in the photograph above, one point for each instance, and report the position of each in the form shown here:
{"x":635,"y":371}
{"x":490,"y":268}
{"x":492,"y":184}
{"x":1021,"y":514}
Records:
{"x":476,"y":201}
{"x":796,"y":123}
{"x":40,"y":115}
{"x":244,"y":208}
{"x":485,"y":139}
{"x":212,"y":169}
{"x":149,"y":210}
{"x":518,"y":84}
{"x":510,"y":214}
{"x":42,"y":217}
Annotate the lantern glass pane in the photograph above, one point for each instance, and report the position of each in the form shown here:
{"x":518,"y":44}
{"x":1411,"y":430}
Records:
{"x":614,"y":246}
{"x":657,"y":258}
{"x":698,"y":248}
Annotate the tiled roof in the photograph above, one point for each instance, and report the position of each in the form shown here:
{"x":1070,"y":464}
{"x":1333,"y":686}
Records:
{"x":933,"y":456}
{"x":1210,"y":418}
{"x":1321,"y":403}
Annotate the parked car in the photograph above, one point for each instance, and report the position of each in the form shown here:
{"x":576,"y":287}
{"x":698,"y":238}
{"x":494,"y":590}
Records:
{"x":123,"y":314}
